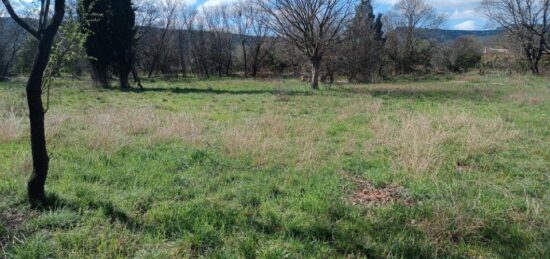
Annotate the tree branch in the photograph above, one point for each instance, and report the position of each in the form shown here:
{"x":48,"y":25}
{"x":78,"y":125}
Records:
{"x":20,"y":21}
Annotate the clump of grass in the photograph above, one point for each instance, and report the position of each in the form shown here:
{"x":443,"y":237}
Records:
{"x":11,"y":127}
{"x":262,"y":139}
{"x":12,"y":118}
{"x":181,"y":127}
{"x":418,"y":141}
{"x":529,"y":98}
{"x":110,"y":129}
{"x":450,"y":226}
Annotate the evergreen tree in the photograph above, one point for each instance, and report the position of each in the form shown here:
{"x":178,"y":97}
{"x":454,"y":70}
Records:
{"x":365,"y":41}
{"x":110,"y":26}
{"x":95,"y":19}
{"x":123,"y":29}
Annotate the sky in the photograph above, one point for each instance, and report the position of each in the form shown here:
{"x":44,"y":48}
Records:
{"x":461,"y":14}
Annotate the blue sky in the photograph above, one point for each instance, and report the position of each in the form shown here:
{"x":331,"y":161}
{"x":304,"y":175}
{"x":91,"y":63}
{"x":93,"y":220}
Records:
{"x":461,"y":14}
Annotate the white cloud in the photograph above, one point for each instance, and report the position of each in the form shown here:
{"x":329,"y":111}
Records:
{"x":466,"y":26}
{"x":463,"y":14}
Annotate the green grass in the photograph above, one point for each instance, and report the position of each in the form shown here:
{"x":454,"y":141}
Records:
{"x":242,"y":168}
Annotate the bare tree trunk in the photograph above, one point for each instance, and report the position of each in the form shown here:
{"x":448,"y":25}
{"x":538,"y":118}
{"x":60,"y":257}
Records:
{"x":315,"y":72}
{"x":124,"y":74}
{"x":244,"y":58}
{"x":100,"y":75}
{"x":135,"y":75}
{"x":40,"y":159}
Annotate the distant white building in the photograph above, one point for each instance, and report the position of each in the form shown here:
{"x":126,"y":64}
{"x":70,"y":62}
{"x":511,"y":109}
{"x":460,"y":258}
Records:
{"x":489,"y":51}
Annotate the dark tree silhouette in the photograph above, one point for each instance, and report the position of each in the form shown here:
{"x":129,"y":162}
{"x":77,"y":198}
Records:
{"x":364,"y":40}
{"x":45,"y":33}
{"x":94,"y":18}
{"x":123,"y":30}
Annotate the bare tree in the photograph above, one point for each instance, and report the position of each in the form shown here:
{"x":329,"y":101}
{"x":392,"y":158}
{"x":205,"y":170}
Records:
{"x":45,"y":33}
{"x":184,"y":26}
{"x":220,"y":39}
{"x":252,"y":28}
{"x":405,"y":25}
{"x":242,"y":17}
{"x":527,"y":21}
{"x":261,"y":42}
{"x":198,"y":40}
{"x":162,"y":15}
{"x":314,"y":26}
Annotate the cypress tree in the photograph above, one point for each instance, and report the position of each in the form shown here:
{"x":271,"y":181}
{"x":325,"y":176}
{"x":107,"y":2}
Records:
{"x":123,"y":29}
{"x":365,"y":43}
{"x":95,"y":19}
{"x":111,"y":30}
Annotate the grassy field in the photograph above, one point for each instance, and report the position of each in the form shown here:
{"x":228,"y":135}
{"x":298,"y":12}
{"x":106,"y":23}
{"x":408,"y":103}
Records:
{"x":236,"y":168}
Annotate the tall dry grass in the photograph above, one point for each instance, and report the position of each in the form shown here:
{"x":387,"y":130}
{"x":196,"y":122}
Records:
{"x":418,"y":141}
{"x":110,"y":129}
{"x":13,"y":123}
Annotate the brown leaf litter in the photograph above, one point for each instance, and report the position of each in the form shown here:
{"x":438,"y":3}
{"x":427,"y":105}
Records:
{"x":369,"y":195}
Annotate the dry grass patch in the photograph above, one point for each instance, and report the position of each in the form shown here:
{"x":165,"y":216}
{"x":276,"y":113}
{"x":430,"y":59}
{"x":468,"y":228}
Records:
{"x":270,"y":138}
{"x":12,"y":127}
{"x":413,"y":140}
{"x":529,"y":98}
{"x":449,"y":226}
{"x":110,"y":129}
{"x":309,"y":143}
{"x":417,"y":141}
{"x":264,"y":139}
{"x":181,"y":127}
{"x":13,"y":123}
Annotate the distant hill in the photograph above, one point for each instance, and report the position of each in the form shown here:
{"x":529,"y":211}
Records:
{"x":450,"y":35}
{"x":435,"y":34}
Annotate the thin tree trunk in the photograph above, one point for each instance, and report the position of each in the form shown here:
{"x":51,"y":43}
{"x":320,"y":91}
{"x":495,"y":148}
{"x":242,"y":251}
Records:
{"x":135,"y":75}
{"x":244,"y":59}
{"x":36,"y":184}
{"x":315,"y":72}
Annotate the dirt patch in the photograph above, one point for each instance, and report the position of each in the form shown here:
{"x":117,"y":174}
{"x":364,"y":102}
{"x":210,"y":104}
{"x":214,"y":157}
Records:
{"x":369,"y":195}
{"x":12,"y":218}
{"x":464,"y":167}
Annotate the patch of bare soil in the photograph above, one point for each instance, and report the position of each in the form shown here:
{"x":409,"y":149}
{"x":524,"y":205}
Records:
{"x":463,"y":167}
{"x":11,"y":219}
{"x":369,"y":195}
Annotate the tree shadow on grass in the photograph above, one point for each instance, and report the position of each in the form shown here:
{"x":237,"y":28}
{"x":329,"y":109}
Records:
{"x":109,"y":210}
{"x":412,"y":92}
{"x":436,"y":93}
{"x":177,"y":90}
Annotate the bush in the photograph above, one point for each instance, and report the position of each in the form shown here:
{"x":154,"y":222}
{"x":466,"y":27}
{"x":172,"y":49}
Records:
{"x":461,"y":55}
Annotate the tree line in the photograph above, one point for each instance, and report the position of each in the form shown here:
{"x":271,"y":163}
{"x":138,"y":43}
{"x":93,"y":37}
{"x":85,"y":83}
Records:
{"x":314,"y":39}
{"x":318,"y":40}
